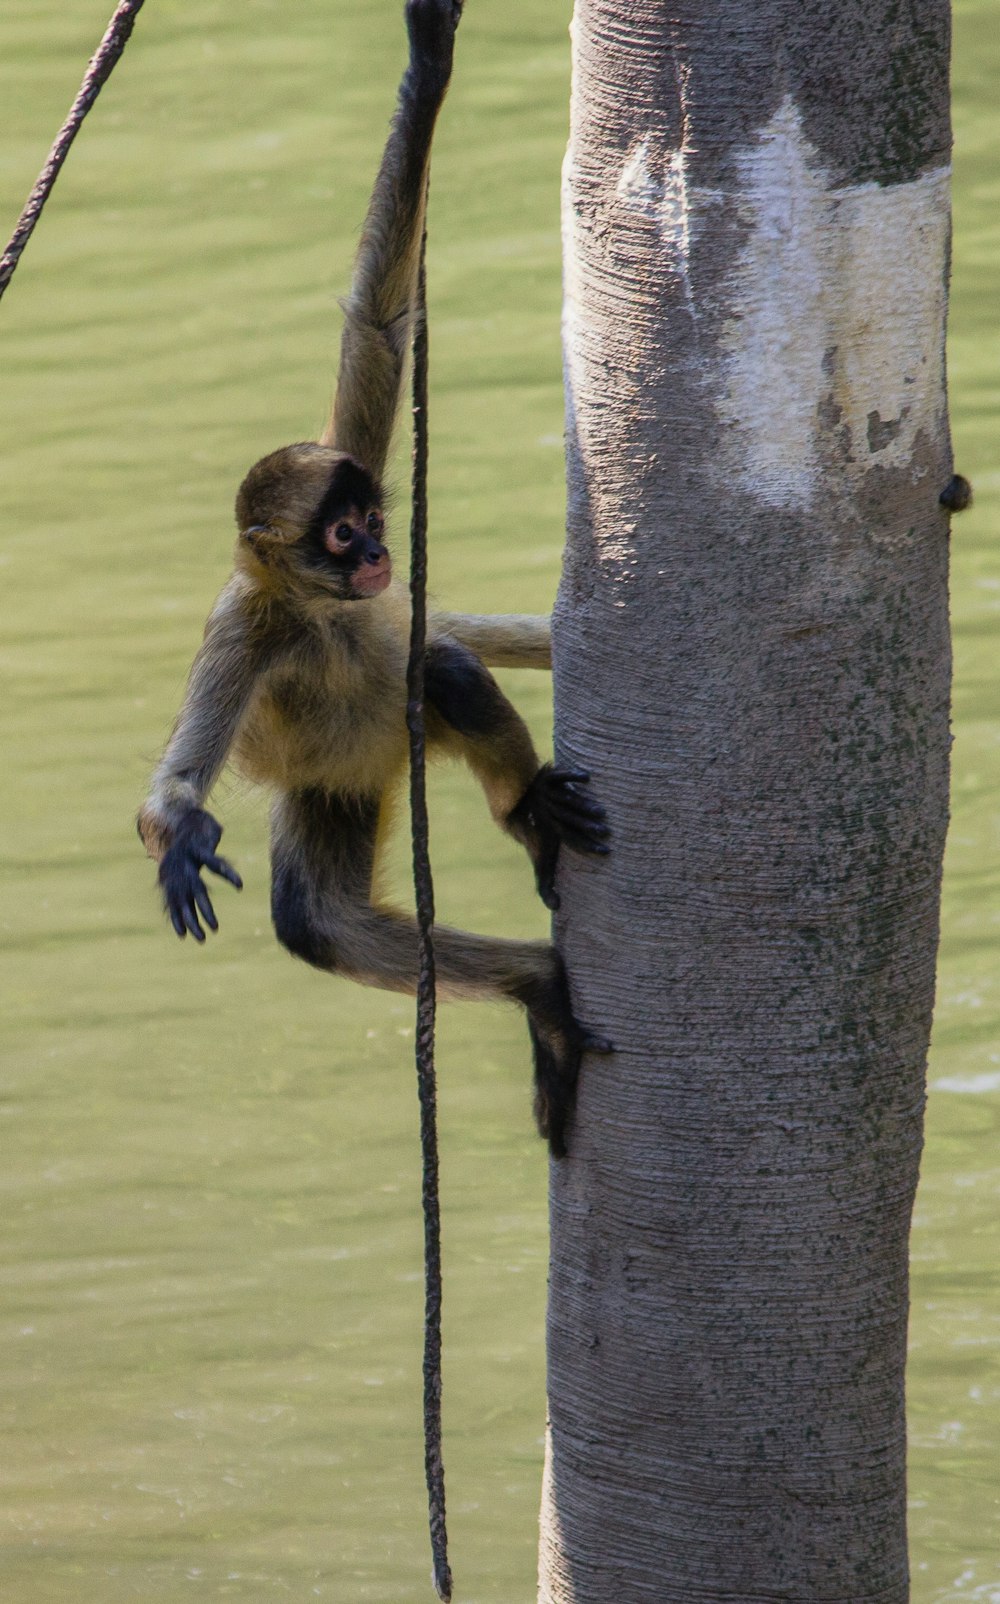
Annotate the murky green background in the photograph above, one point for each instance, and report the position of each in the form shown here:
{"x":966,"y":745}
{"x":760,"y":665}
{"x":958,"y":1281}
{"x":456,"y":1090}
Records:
{"x":211,"y":1314}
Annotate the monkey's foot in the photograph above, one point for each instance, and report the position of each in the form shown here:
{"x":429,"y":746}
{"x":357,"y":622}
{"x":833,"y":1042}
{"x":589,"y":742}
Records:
{"x":559,"y":1041}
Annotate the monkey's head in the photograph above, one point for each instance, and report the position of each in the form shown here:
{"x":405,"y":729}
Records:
{"x":314,"y":515}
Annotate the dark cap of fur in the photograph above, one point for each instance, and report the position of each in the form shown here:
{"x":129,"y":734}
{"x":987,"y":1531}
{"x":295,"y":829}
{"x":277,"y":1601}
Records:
{"x":283,"y":491}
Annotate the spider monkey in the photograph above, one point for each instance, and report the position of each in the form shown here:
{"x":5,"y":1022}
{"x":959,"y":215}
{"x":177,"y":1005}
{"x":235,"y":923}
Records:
{"x":301,"y":675}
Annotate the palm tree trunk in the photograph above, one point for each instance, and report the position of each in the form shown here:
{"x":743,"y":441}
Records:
{"x":752,"y":658}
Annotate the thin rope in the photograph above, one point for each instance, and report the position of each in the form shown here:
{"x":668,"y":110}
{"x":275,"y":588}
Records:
{"x":426,"y":991}
{"x":102,"y":63}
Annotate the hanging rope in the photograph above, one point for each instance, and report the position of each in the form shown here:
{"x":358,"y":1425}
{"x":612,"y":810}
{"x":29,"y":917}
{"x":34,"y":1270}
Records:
{"x":102,"y":63}
{"x":426,"y":994}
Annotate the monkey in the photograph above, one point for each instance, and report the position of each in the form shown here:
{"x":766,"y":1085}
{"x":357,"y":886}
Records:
{"x":301,"y":677}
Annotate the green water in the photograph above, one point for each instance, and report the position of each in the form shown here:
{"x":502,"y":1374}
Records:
{"x":211,"y":1314}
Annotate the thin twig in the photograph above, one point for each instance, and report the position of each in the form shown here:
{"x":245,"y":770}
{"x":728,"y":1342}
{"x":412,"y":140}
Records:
{"x":102,"y":63}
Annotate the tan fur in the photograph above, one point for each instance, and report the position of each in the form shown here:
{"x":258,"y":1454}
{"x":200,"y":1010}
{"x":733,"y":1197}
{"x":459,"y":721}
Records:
{"x":281,"y":491}
{"x":333,"y":713}
{"x":512,"y":640}
{"x":315,"y":695}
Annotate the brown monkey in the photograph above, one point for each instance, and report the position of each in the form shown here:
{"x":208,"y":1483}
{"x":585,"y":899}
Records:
{"x":301,"y":676}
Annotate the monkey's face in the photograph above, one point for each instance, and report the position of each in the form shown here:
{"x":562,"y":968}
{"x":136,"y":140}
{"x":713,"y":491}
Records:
{"x":347,"y":542}
{"x":312,"y":517}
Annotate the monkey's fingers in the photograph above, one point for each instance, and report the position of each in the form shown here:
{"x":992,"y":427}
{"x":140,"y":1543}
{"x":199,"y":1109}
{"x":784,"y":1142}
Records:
{"x":203,"y":902}
{"x":573,"y":810}
{"x":578,"y":841}
{"x":225,"y":870}
{"x":178,"y":878}
{"x":555,"y":1089}
{"x":581,"y":836}
{"x":586,"y":847}
{"x":592,"y":1042}
{"x":184,"y":916}
{"x":567,"y":776}
{"x":573,"y":801}
{"x":545,"y":874}
{"x":577,"y":815}
{"x":580,"y":813}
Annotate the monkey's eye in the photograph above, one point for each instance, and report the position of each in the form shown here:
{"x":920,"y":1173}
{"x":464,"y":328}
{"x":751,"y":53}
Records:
{"x":344,"y":533}
{"x":373,"y":523}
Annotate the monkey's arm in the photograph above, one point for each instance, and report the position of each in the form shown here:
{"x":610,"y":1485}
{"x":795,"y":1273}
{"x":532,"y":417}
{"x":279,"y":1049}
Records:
{"x":379,"y":310}
{"x":175,"y":828}
{"x":541,"y":806}
{"x":505,"y":640}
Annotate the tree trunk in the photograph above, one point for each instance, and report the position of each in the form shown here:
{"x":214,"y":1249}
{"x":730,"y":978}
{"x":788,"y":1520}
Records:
{"x":752,"y":659}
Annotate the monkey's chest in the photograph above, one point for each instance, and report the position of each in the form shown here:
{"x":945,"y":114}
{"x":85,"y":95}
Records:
{"x":335,"y":722}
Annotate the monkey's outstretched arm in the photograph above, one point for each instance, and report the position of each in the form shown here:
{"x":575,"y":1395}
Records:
{"x":503,"y":640}
{"x":379,"y":310}
{"x":175,"y":828}
{"x":539,"y":805}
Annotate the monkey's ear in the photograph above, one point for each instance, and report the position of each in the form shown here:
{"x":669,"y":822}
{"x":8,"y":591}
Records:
{"x":264,"y":537}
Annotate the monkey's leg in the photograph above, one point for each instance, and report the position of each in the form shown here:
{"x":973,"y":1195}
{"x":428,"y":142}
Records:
{"x":323,"y":850}
{"x":541,"y":806}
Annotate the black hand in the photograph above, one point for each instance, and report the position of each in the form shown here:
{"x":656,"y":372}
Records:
{"x":554,"y":810}
{"x":184,"y":894}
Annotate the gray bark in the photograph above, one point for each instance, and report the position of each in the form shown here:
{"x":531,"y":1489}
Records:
{"x":752,"y":659}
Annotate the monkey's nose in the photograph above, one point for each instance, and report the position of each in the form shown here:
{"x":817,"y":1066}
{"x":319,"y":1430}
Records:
{"x":376,"y":555}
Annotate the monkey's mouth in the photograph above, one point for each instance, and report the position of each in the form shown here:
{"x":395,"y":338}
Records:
{"x":369,"y":579}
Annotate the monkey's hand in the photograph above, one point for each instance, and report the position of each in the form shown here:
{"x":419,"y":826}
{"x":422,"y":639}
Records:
{"x":184,"y":894}
{"x":431,"y":26}
{"x":553,"y":811}
{"x":559,"y":1042}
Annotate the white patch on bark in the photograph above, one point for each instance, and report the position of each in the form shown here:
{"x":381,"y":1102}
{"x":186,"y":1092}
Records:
{"x":658,"y":188}
{"x":637,"y":186}
{"x":675,"y":217}
{"x":836,"y":321}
